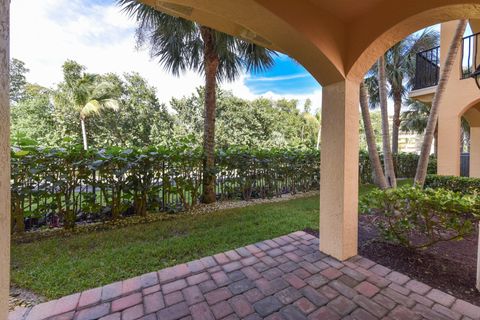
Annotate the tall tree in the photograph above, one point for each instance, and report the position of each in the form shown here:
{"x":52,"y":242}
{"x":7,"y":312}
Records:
{"x":387,"y":151}
{"x":379,"y":177}
{"x":32,"y":117}
{"x":87,"y":94}
{"x":445,"y":72}
{"x":18,"y":80}
{"x":179,"y":45}
{"x":307,"y":106}
{"x":400,"y":69}
{"x":415,"y":119}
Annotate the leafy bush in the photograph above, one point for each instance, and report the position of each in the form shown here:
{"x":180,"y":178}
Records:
{"x":405,"y":165}
{"x":62,"y":187}
{"x":419,"y":218}
{"x":457,"y":184}
{"x":266,"y":173}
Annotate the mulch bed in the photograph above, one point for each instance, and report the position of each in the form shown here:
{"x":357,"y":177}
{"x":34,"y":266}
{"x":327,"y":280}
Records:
{"x":447,"y":266}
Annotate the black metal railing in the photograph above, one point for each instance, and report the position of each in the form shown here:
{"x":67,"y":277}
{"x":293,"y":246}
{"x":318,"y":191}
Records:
{"x":428,"y":63}
{"x":427,"y":68}
{"x":465,"y":164}
{"x":470,"y":60}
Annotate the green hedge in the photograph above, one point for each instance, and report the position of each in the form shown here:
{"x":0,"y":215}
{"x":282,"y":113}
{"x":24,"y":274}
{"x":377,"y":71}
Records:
{"x":404,"y":213}
{"x":405,"y":166}
{"x":464,"y":185}
{"x":64,"y":187}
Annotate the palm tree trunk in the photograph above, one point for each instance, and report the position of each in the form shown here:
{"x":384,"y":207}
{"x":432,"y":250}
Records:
{"x":387,"y":151}
{"x":211,"y":63}
{"x":397,"y":106}
{"x":378,"y":176}
{"x":433,"y":117}
{"x":84,"y":134}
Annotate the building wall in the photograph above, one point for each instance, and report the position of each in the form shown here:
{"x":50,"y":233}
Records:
{"x":460,"y":95}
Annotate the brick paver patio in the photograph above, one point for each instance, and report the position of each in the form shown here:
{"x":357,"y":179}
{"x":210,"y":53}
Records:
{"x":283,"y":278}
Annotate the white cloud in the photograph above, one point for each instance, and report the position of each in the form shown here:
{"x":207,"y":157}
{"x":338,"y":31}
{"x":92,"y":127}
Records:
{"x":280,"y":78}
{"x":46,"y":33}
{"x":240,"y":89}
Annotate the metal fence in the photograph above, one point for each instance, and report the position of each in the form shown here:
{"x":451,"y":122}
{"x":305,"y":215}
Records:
{"x":465,"y":164}
{"x":43,"y":197}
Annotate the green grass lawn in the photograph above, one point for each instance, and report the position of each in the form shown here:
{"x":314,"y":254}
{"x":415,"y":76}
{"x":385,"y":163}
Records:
{"x":57,"y":267}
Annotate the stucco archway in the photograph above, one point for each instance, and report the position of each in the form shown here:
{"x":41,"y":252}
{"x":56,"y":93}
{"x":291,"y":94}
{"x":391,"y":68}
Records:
{"x":383,"y":33}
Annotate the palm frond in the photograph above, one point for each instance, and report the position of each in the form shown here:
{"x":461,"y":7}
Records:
{"x":415,"y":118}
{"x":178,"y":45}
{"x":92,"y":107}
{"x":371,"y":83}
{"x":111,"y":104}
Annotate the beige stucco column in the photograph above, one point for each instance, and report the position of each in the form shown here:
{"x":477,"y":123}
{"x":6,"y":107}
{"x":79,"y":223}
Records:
{"x":448,"y":163}
{"x":475,"y":152}
{"x":339,"y":170}
{"x":472,"y":115}
{"x":458,"y":93}
{"x":4,"y":158}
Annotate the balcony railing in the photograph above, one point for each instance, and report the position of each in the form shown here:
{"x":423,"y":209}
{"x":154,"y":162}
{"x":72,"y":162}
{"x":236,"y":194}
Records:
{"x":428,"y":63}
{"x":427,"y":68}
{"x":470,"y":58}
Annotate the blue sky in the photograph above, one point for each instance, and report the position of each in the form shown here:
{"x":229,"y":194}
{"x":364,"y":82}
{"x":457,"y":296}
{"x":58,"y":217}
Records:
{"x":285,"y":77}
{"x":96,"y":34}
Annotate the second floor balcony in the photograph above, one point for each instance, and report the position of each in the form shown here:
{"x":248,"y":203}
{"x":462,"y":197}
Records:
{"x":427,"y":65}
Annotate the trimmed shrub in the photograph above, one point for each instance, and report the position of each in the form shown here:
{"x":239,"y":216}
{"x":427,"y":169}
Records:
{"x":405,"y":165}
{"x":63,"y":187}
{"x":457,"y":184}
{"x":419,"y":218}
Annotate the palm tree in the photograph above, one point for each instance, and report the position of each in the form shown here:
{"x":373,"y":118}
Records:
{"x":179,"y":45}
{"x":400,"y":71}
{"x":387,"y":151}
{"x":99,"y":99}
{"x":89,"y":95}
{"x":422,"y":166}
{"x":415,"y":119}
{"x":378,"y":176}
{"x":400,"y":66}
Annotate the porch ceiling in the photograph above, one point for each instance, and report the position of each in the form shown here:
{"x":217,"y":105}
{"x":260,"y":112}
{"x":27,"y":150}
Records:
{"x":332,"y":39}
{"x":346,"y":10}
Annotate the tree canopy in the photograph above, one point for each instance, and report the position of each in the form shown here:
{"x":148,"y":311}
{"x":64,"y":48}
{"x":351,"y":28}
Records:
{"x":50,"y":117}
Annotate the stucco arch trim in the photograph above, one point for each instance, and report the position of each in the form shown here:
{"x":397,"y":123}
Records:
{"x":471,"y":113}
{"x":377,"y":36}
